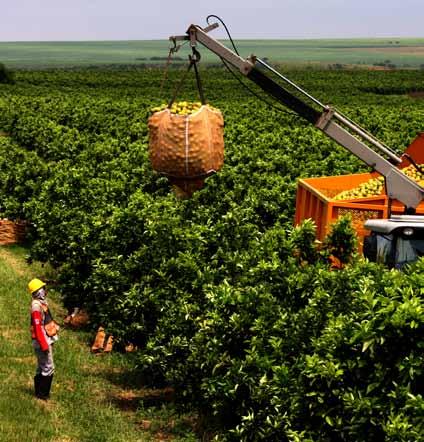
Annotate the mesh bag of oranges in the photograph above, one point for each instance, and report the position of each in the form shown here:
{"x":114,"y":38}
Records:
{"x":186,"y":143}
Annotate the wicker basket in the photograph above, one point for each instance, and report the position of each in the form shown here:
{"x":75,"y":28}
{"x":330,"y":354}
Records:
{"x":12,"y":232}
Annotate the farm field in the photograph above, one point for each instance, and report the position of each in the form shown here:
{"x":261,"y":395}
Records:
{"x":401,"y":53}
{"x":228,"y":303}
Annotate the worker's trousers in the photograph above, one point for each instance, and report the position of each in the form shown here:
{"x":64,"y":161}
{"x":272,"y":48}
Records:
{"x":45,"y":364}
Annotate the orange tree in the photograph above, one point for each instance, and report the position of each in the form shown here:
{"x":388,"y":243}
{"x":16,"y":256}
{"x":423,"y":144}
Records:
{"x":227,"y":302}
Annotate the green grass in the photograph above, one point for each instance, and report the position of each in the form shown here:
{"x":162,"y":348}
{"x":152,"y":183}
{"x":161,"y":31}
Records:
{"x":94,"y":398}
{"x":403,"y":52}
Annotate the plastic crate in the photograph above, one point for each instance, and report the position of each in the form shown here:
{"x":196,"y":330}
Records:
{"x":314,"y":198}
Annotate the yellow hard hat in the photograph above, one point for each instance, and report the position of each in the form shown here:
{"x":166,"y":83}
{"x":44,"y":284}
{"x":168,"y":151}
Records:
{"x":35,"y":284}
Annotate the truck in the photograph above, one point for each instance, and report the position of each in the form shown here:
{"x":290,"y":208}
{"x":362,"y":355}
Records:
{"x":396,"y":240}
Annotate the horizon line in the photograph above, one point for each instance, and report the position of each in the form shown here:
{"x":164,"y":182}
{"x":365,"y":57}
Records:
{"x":222,"y":39}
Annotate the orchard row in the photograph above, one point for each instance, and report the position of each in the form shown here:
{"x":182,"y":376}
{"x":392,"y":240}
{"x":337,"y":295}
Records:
{"x":227,"y":302}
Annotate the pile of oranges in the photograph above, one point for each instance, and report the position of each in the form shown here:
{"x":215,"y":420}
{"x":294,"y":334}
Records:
{"x":375,"y":186}
{"x":182,"y":107}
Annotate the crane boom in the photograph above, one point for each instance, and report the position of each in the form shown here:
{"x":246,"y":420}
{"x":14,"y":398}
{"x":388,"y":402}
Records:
{"x":345,"y":132}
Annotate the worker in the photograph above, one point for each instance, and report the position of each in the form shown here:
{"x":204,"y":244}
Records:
{"x":44,"y":332}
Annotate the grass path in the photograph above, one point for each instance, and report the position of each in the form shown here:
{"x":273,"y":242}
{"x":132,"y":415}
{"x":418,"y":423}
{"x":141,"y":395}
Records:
{"x":93,"y":397}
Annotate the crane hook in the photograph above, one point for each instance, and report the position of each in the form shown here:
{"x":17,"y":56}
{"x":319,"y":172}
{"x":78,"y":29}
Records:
{"x":195,"y":57}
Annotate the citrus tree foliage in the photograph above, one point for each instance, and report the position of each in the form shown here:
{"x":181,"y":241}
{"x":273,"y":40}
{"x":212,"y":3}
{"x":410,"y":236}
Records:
{"x":226,"y":300}
{"x":341,"y":242}
{"x":6,"y":76}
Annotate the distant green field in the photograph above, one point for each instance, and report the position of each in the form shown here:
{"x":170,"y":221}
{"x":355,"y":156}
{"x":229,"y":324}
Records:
{"x":372,"y":52}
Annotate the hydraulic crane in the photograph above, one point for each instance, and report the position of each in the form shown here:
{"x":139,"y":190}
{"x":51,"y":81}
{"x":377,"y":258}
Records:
{"x":394,"y":241}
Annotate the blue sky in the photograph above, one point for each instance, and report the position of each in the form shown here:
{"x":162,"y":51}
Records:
{"x":39,"y":20}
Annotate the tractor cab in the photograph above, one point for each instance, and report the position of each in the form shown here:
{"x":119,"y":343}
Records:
{"x":396,"y":241}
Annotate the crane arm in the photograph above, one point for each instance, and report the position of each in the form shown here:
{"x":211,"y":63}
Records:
{"x":345,"y":132}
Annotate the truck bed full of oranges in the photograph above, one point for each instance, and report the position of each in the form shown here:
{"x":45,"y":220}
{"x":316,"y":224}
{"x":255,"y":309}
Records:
{"x":375,"y":186}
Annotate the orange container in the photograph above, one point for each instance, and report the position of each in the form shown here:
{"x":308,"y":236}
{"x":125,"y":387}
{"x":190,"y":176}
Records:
{"x":415,"y":150}
{"x":314,"y":198}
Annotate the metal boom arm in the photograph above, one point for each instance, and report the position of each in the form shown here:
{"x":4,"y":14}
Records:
{"x":333,"y":124}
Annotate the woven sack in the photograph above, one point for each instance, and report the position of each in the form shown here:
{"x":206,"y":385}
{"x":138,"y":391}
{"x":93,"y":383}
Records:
{"x":187,"y":148}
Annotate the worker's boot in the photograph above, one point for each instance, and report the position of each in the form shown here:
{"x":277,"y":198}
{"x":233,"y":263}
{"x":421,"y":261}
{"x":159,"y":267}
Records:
{"x":37,"y":385}
{"x":45,"y":386}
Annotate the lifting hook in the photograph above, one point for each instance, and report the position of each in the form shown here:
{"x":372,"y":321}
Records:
{"x":195,"y":57}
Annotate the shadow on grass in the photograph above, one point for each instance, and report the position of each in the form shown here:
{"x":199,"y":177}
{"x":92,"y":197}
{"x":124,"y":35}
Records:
{"x":153,"y":409}
{"x":27,"y":390}
{"x":127,"y":378}
{"x":132,"y":389}
{"x":130,"y":400}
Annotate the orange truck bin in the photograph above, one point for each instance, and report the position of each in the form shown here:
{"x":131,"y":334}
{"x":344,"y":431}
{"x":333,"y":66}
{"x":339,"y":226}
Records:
{"x":314,"y":198}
